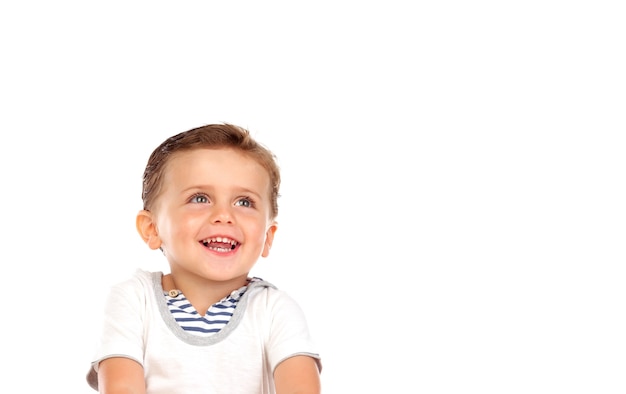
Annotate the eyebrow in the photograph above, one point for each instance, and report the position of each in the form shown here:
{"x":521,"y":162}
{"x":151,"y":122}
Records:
{"x":237,"y":189}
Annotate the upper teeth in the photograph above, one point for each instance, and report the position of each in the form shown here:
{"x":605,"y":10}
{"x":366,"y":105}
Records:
{"x":221,"y":240}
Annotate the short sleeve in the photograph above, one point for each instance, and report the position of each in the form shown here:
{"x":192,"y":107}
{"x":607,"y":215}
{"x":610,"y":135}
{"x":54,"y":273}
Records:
{"x":289,"y":334}
{"x":122,"y":327}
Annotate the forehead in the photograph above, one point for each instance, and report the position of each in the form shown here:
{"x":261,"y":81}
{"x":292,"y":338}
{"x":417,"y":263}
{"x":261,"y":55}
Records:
{"x":221,"y":166}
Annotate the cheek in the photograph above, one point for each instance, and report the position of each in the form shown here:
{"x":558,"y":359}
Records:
{"x":174,"y":225}
{"x":257,"y":231}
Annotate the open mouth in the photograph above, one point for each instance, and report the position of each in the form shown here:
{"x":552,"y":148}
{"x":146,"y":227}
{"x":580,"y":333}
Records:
{"x":220,"y":244}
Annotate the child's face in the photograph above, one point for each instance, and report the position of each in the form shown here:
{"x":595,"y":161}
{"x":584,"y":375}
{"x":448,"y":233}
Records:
{"x":213,"y":214}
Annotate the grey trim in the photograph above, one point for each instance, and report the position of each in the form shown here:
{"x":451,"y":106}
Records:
{"x":191,"y":339}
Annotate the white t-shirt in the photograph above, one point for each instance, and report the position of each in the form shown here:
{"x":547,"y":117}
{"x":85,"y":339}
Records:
{"x":266,"y":328}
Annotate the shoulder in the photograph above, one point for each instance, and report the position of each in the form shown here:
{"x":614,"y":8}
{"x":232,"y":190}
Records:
{"x":140,"y":278}
{"x":265,"y":290}
{"x":266,"y":296}
{"x":140,"y":284}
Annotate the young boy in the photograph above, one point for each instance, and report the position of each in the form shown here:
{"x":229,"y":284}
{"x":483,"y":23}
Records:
{"x":209,"y":205}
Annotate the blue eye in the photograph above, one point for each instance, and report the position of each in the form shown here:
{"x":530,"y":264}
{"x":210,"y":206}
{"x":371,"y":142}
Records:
{"x":244,"y":202}
{"x":199,"y":199}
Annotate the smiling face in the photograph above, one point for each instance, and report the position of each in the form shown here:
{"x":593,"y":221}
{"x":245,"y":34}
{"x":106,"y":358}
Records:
{"x":212,"y":218}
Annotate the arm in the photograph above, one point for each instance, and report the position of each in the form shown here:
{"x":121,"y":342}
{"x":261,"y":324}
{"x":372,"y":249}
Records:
{"x":297,"y":375}
{"x":120,"y":375}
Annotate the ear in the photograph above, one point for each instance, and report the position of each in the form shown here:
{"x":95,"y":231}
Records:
{"x":147,"y":229}
{"x":269,"y":238}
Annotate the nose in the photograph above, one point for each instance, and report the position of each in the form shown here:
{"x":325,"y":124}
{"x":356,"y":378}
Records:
{"x":221,"y":213}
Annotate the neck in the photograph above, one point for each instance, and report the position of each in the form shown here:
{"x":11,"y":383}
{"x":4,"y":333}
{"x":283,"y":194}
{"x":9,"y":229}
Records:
{"x":202,"y":293}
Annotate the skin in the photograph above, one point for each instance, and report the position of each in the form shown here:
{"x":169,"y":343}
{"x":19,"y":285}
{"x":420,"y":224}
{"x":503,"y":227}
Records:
{"x":210,"y":193}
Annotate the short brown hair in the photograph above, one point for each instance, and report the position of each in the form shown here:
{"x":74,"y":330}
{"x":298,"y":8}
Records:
{"x":210,"y":136}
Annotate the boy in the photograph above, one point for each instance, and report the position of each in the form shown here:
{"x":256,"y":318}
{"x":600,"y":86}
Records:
{"x":209,"y":205}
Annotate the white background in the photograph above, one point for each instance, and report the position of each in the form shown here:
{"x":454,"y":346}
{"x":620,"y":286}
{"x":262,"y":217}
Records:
{"x":452,"y":212}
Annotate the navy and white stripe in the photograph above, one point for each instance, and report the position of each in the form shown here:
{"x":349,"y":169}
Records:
{"x":213,"y":321}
